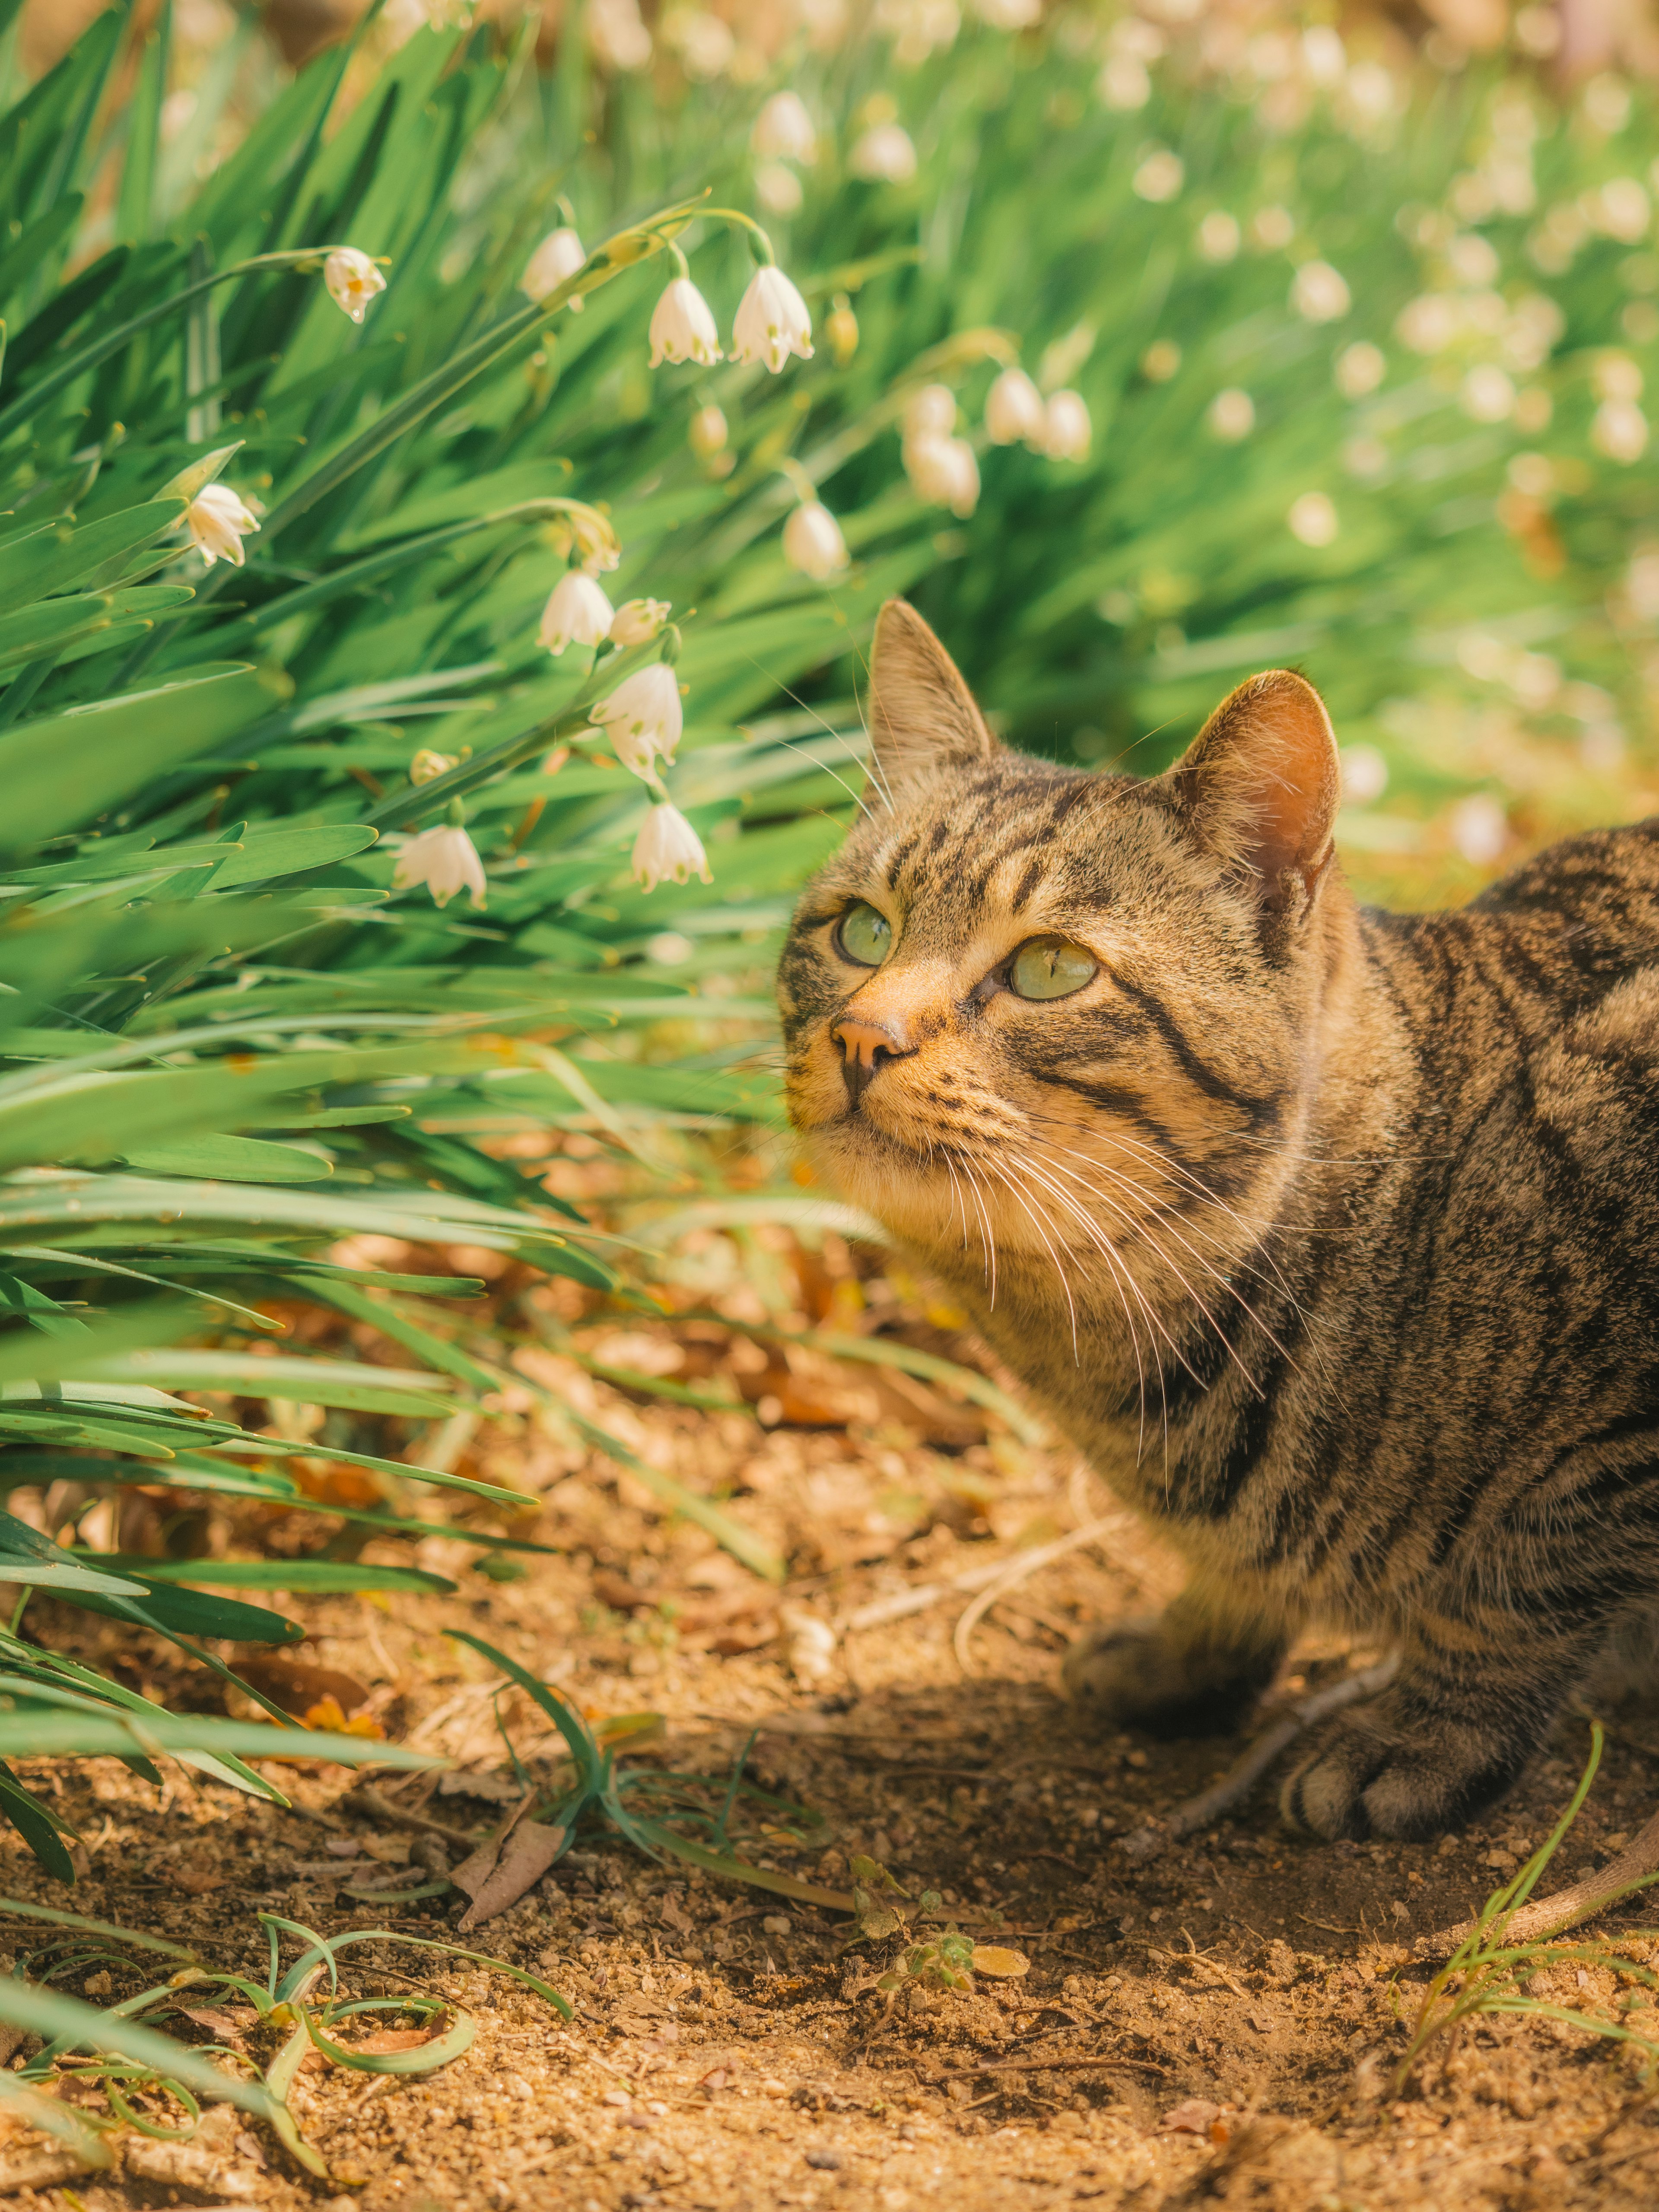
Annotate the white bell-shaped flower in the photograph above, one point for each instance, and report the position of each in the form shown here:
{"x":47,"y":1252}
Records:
{"x":1014,"y":413}
{"x":944,"y":471}
{"x":643,"y":717}
{"x":446,"y":860}
{"x":352,"y":280}
{"x":667,"y":845}
{"x":1067,"y":431}
{"x":813,"y":543}
{"x":555,"y":260}
{"x":771,"y":322}
{"x":577,"y":613}
{"x":637,"y":622}
{"x":1320,"y":293}
{"x":931,"y":412}
{"x":885,"y":155}
{"x":783,"y":130}
{"x":217,"y":521}
{"x":682,"y":327}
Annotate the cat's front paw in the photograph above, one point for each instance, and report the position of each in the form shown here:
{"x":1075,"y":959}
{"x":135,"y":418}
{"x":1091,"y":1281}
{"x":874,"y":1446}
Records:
{"x":1370,"y":1779}
{"x":1148,"y":1674}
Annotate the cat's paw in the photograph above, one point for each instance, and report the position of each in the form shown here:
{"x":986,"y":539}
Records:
{"x":1369,"y":1779}
{"x":1141,"y":1675}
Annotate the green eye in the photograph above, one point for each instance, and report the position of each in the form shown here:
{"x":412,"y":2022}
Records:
{"x":1049,"y":967}
{"x":865,"y":936}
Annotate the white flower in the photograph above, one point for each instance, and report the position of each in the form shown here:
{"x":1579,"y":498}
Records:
{"x":638,"y":621}
{"x":577,"y":613}
{"x":783,"y":130}
{"x":1160,"y":176}
{"x":217,"y":522}
{"x":884,"y":156}
{"x":446,"y":860}
{"x":559,"y":256}
{"x":667,"y":845}
{"x":1232,"y":415}
{"x":1359,"y":369}
{"x":1616,"y":376}
{"x":1066,"y":430}
{"x":682,"y":327}
{"x":771,"y":322}
{"x":1365,"y":775}
{"x":944,"y":471}
{"x":1479,"y":829}
{"x":931,"y":412}
{"x":1014,"y":412}
{"x":917,"y":26}
{"x":1620,"y":430}
{"x":1320,"y":293}
{"x":617,"y":34}
{"x":352,"y":280}
{"x":643,"y":717}
{"x":778,"y":188}
{"x":596,"y":543}
{"x":704,"y":43}
{"x":1009,"y":15}
{"x":1488,"y":394}
{"x":1123,"y":82}
{"x":1313,"y":518}
{"x":707,"y":433}
{"x":813,"y":543}
{"x":1218,"y":236}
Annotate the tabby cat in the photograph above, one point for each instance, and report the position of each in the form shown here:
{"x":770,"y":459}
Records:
{"x":1330,"y":1236}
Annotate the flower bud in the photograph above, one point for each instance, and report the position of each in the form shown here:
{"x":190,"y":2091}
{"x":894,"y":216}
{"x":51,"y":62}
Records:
{"x":352,"y":280}
{"x":813,"y":543}
{"x":1014,"y":412}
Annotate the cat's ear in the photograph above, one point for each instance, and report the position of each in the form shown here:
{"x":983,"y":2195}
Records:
{"x":1259,"y":787}
{"x":922,"y":715}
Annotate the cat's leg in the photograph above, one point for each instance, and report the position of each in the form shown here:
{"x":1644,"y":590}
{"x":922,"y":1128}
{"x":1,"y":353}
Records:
{"x":1196,"y":1669}
{"x":1470,"y":1705}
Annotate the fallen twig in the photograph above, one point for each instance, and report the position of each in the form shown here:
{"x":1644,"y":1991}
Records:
{"x":1024,"y":1564}
{"x":1637,"y":1863}
{"x":1074,"y":2065}
{"x":1244,"y":1775}
{"x":365,"y":1798}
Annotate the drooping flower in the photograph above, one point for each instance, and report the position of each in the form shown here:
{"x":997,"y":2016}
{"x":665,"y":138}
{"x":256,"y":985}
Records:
{"x":707,"y":433}
{"x":783,"y":130}
{"x":1160,"y":176}
{"x":1014,"y":412}
{"x":1009,"y":15}
{"x":1359,"y":369}
{"x":426,"y":764}
{"x":577,"y":613}
{"x":558,"y":259}
{"x":886,"y":154}
{"x":637,"y":622}
{"x":944,"y":471}
{"x":217,"y":522}
{"x":446,"y":860}
{"x":352,"y":280}
{"x":682,"y":327}
{"x":931,"y":412}
{"x":667,"y":845}
{"x":704,"y":41}
{"x":1620,"y":430}
{"x":642,"y":718}
{"x":1232,"y":414}
{"x":812,"y":542}
{"x":617,"y":34}
{"x":1313,"y":518}
{"x":1067,"y":431}
{"x":778,"y":188}
{"x":1320,"y":294}
{"x":771,"y":322}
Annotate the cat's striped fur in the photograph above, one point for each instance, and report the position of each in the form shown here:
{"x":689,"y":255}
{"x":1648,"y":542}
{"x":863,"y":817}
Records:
{"x":1330,"y":1236}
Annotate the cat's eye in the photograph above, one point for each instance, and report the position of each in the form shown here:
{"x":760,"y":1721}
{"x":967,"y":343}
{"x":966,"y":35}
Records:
{"x":1051,"y":968}
{"x":865,"y":935}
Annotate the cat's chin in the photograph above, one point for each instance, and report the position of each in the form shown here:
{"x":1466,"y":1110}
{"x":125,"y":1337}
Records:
{"x":906,"y":1191}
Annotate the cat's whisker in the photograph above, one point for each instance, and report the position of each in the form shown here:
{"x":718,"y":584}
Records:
{"x":985,"y":1225}
{"x":871,"y":765}
{"x":1061,"y":1274}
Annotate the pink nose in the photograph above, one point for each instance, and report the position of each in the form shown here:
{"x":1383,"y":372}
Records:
{"x":861,"y":1042}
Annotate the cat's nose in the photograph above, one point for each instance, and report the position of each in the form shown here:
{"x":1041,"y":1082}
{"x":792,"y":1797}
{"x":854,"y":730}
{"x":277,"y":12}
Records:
{"x":866,"y":1049}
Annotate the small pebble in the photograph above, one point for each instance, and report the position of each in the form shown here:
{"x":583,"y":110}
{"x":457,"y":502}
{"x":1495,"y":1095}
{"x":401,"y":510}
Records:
{"x":771,"y":2087}
{"x":776,"y":1924}
{"x":616,"y":2097}
{"x":824,"y":2161}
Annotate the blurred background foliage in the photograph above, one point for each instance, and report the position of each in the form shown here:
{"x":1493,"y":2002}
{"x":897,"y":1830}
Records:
{"x":1336,"y":349}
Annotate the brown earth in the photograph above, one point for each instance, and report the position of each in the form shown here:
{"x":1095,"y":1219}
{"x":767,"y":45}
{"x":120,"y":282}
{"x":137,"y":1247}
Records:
{"x":1221,"y":2024}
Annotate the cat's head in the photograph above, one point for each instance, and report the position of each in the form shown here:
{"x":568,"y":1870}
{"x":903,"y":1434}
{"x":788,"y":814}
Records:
{"x":1023,"y":998}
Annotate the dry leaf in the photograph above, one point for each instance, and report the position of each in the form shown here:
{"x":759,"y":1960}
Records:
{"x":1194,"y":2118}
{"x":992,"y":1958}
{"x":498,"y":1873}
{"x":297,"y":1686}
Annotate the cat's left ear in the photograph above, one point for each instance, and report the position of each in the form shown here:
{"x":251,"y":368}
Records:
{"x":1259,"y":785}
{"x":922,"y":715}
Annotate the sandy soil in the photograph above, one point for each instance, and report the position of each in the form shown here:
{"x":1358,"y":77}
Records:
{"x":1219,"y":2025}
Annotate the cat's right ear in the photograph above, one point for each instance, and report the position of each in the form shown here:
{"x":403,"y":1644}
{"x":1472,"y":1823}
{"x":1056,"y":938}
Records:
{"x":1259,"y":785}
{"x":922,"y":715}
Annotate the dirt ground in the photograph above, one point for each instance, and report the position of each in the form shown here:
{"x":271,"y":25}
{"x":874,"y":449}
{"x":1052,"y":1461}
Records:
{"x":1220,"y":2024}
